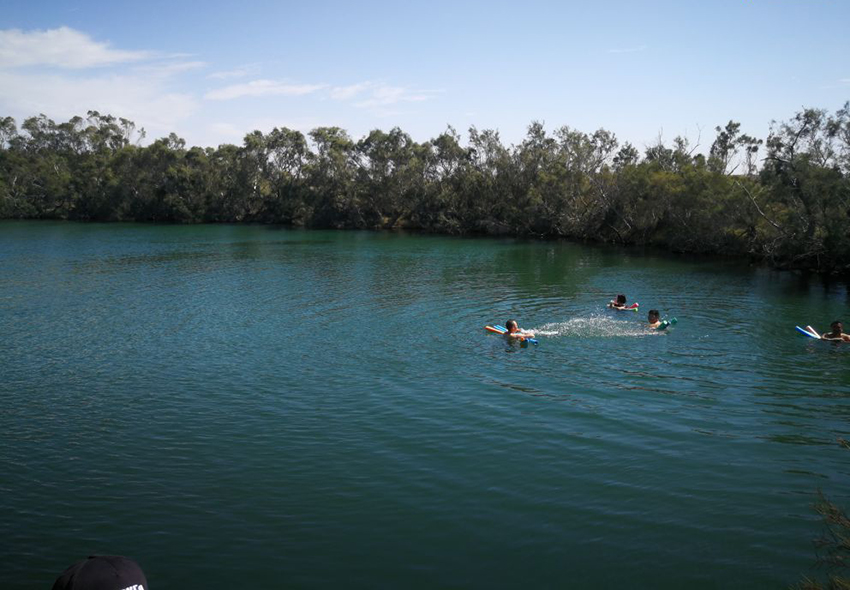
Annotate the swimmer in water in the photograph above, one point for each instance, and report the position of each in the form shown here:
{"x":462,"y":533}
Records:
{"x":618,"y":303}
{"x":837,"y":333}
{"x":654,"y":319}
{"x":515,"y":333}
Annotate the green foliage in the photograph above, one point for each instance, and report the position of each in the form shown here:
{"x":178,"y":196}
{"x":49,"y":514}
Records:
{"x":833,"y":545}
{"x":794,"y":212}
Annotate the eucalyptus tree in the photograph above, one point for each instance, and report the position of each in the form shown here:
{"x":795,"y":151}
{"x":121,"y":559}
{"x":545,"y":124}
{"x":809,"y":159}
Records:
{"x":223,"y":203}
{"x":727,"y":145}
{"x":794,"y":212}
{"x":486,"y":196}
{"x":190,"y":186}
{"x":12,"y":165}
{"x":254,"y":178}
{"x":838,"y":129}
{"x":446,"y":165}
{"x":806,"y":173}
{"x":391,"y":174}
{"x":45,"y":177}
{"x":289,"y":156}
{"x":627,"y":155}
{"x":585,"y":183}
{"x":147,"y":190}
{"x":537,"y":207}
{"x":333,"y":197}
{"x":8,"y":132}
{"x":92,"y":144}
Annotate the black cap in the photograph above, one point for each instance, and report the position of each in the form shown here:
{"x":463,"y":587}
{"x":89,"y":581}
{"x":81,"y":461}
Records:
{"x":103,"y":572}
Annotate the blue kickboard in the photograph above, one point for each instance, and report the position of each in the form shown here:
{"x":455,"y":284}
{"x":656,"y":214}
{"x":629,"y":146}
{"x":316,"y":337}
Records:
{"x":532,"y":340}
{"x":805,"y":332}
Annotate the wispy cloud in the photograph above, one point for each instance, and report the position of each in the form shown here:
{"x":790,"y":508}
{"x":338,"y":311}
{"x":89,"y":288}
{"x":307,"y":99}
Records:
{"x":257,"y":88}
{"x":170,"y":69}
{"x":250,"y":70}
{"x":628,"y":49}
{"x":349,"y":92}
{"x":379,"y":94}
{"x":384,"y":95}
{"x":64,"y":72}
{"x":144,"y":99}
{"x":63,"y":47}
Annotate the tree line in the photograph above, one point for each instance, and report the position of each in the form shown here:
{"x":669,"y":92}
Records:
{"x":784,"y":200}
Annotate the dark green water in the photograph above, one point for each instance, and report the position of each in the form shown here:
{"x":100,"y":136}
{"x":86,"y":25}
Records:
{"x":257,"y":407}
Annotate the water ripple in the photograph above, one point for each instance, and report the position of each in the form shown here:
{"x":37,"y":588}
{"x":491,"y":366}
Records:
{"x":248,"y":396}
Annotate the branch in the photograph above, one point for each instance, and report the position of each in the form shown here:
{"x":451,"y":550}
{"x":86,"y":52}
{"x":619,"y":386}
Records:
{"x":803,"y":129}
{"x":699,"y":136}
{"x":616,"y":231}
{"x":760,"y":212}
{"x":776,"y":159}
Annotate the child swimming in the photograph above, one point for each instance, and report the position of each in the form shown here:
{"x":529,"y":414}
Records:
{"x":654,"y":319}
{"x":514,"y":332}
{"x":618,"y":303}
{"x":837,"y":333}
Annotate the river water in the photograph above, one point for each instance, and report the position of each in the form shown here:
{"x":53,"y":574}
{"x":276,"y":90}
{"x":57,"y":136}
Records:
{"x":247,"y":406}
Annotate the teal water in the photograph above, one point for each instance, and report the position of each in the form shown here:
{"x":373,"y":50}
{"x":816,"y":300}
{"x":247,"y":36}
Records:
{"x":258,"y":407}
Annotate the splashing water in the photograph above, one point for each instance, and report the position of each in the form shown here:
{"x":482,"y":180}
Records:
{"x":595,"y":326}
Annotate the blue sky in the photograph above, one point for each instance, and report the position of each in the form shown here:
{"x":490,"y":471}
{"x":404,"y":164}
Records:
{"x":213,"y":71}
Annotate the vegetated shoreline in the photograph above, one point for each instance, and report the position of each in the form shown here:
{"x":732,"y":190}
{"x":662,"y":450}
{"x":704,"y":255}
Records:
{"x":789,"y":208}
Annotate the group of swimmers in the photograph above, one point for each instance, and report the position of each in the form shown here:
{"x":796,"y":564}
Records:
{"x":619,"y":303}
{"x":514,"y":332}
{"x":654,"y":318}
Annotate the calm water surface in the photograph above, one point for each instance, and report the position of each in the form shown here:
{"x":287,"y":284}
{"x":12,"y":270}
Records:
{"x":258,"y":407}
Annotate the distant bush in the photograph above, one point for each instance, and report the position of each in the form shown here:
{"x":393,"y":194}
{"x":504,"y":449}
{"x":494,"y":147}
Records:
{"x":793,"y":211}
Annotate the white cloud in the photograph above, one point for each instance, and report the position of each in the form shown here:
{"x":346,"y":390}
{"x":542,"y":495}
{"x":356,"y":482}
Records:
{"x":385,"y":95}
{"x":262,"y":88}
{"x":236,"y":73}
{"x":63,"y":47}
{"x":45,"y":72}
{"x":164,"y":72}
{"x":169,"y":69}
{"x":348,"y":92}
{"x":380,"y":94}
{"x":146,"y":100}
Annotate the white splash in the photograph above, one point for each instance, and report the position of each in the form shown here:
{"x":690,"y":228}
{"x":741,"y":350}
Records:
{"x":596,"y":326}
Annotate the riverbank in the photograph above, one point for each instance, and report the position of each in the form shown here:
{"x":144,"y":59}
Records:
{"x":789,"y":208}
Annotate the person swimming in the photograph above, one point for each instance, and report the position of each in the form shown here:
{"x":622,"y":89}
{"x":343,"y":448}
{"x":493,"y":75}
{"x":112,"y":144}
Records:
{"x":837,"y":333}
{"x":515,"y":333}
{"x":618,"y":303}
{"x":654,"y":319}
